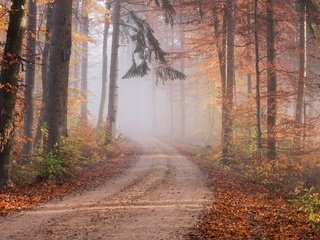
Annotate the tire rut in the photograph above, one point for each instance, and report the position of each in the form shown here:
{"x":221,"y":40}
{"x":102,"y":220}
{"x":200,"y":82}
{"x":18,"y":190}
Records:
{"x":160,"y":197}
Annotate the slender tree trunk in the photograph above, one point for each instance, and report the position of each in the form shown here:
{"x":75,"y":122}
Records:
{"x":182,"y":82}
{"x":171,"y":89}
{"x":228,"y":131}
{"x":171,"y":108}
{"x":84,"y":65}
{"x":154,"y":107}
{"x":77,"y":67}
{"x":302,"y":65}
{"x":30,"y":77}
{"x":257,"y":69}
{"x":58,"y":77}
{"x":249,"y":83}
{"x":10,"y":67}
{"x":221,"y":46}
{"x":104,"y":72}
{"x":111,"y":127}
{"x":44,"y":72}
{"x":271,"y":82}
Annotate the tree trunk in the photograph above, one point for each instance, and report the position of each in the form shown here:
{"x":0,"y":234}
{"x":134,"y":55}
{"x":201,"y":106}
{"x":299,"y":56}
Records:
{"x":154,"y":106}
{"x":171,"y":108}
{"x":58,"y":77}
{"x":249,"y":83}
{"x":221,"y":46}
{"x":228,"y":131}
{"x":10,"y":67}
{"x":44,"y":73}
{"x":30,"y":77}
{"x":84,"y":65}
{"x":104,"y":72}
{"x":302,"y":65}
{"x":111,"y":127}
{"x":182,"y":82}
{"x":257,"y":69}
{"x":77,"y":68}
{"x":271,"y":83}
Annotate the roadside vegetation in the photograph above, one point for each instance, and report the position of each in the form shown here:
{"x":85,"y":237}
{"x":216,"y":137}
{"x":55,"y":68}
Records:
{"x":250,"y":201}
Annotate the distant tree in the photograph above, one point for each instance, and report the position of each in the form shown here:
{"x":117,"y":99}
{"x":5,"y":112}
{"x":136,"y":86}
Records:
{"x":104,"y":69}
{"x":45,"y":57}
{"x":230,"y":79}
{"x":30,"y":76}
{"x":258,"y":82}
{"x":271,"y":81}
{"x":147,"y":49}
{"x":182,"y":83}
{"x":84,"y":62}
{"x":302,"y":10}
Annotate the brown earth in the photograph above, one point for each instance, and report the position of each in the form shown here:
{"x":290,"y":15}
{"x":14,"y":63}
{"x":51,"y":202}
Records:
{"x":159,"y":197}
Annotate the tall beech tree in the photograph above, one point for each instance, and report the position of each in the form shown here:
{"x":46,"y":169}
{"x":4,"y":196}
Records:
{"x":45,"y":60}
{"x":302,"y":11}
{"x":271,"y":82}
{"x":58,"y":74}
{"x":30,"y":76}
{"x":104,"y":75}
{"x":258,"y":80}
{"x":182,"y":83}
{"x":84,"y":62}
{"x":230,"y":79}
{"x":9,"y":82}
{"x":111,"y":127}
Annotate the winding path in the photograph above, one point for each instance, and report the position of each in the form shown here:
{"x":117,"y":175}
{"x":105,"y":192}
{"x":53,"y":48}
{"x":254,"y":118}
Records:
{"x":159,"y":197}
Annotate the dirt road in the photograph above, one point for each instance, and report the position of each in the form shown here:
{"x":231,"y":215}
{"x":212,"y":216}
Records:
{"x":159,"y":197}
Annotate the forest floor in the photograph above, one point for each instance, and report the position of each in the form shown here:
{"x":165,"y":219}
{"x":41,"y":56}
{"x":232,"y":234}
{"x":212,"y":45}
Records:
{"x":244,"y":209}
{"x":160,"y":195}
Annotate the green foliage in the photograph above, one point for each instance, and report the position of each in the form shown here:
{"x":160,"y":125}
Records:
{"x":62,"y":161}
{"x":309,"y":201}
{"x":52,"y":167}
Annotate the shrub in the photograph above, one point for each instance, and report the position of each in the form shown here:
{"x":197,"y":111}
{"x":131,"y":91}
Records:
{"x":51,"y":167}
{"x":309,"y":201}
{"x":62,"y":161}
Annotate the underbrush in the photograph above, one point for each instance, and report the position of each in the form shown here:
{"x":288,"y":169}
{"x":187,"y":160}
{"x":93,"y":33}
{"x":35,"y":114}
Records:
{"x":83,"y":148}
{"x":292,"y":176}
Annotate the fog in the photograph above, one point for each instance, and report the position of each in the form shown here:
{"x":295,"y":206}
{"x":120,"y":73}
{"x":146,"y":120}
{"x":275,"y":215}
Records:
{"x":149,"y":107}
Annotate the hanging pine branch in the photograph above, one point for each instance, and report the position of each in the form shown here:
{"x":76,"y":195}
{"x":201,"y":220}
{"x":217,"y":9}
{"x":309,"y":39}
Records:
{"x":147,"y":49}
{"x":167,"y":9}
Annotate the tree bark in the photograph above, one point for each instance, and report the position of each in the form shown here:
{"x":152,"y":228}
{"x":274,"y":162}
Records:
{"x":44,"y":72}
{"x":10,"y":67}
{"x":221,"y":48}
{"x":30,"y":77}
{"x":228,"y":131}
{"x":154,"y":106}
{"x":84,"y":65}
{"x":257,"y":70}
{"x":58,"y":77}
{"x":77,"y":68}
{"x":271,"y":83}
{"x":302,"y":65}
{"x":182,"y":82}
{"x":111,"y":127}
{"x":249,"y":83}
{"x":104,"y":72}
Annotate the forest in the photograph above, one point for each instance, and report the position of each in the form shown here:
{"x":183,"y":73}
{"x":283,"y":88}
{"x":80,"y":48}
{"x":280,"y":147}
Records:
{"x":204,"y":114}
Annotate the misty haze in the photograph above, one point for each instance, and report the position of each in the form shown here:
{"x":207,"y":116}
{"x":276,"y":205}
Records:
{"x":159,"y":119}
